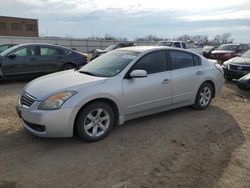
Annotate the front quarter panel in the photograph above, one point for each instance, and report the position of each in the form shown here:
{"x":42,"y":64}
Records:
{"x":110,"y":89}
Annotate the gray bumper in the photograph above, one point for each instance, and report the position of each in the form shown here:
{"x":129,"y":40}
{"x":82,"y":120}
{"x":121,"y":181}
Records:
{"x":53,"y":123}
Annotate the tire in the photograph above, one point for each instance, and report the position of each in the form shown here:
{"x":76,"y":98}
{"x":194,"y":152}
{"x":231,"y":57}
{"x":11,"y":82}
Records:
{"x":203,"y":96}
{"x":68,"y":66}
{"x":95,"y":121}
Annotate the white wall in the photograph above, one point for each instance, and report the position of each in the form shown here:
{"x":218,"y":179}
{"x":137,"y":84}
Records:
{"x":82,"y":45}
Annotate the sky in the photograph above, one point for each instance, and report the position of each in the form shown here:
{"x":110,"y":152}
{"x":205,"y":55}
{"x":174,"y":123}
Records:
{"x":135,"y":18}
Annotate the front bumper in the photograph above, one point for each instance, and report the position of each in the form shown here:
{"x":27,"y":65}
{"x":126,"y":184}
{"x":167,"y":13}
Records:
{"x":51,"y":123}
{"x":234,"y":74}
{"x":243,"y":85}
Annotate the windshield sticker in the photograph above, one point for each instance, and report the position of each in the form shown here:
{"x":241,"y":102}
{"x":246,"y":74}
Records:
{"x":126,"y":56}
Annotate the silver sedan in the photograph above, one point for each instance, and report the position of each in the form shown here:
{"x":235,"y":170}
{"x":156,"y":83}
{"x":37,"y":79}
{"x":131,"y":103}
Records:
{"x":118,"y":86}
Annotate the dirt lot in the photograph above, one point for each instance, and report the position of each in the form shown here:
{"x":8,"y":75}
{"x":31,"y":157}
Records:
{"x":179,"y":148}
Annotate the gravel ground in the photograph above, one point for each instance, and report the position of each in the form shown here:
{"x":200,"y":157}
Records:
{"x":180,"y":148}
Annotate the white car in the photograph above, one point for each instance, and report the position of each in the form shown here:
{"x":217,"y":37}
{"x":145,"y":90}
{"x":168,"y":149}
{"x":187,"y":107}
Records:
{"x":118,"y":86}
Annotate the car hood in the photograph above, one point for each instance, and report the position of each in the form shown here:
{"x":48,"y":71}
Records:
{"x":48,"y":85}
{"x":222,"y":51}
{"x":240,"y":60}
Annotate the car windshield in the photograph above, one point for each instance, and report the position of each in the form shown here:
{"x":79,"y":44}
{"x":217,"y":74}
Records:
{"x":9,"y":50}
{"x":227,"y":47}
{"x":3,"y":47}
{"x":109,"y":64}
{"x":164,"y":44}
{"x":246,"y":55}
{"x":110,"y":47}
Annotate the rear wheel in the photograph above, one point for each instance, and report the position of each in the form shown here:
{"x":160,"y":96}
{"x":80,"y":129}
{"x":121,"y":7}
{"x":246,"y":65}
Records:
{"x":68,"y":66}
{"x":95,"y":121}
{"x":203,"y":96}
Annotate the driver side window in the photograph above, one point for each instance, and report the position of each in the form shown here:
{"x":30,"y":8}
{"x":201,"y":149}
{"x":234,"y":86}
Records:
{"x":152,"y":63}
{"x":27,"y":51}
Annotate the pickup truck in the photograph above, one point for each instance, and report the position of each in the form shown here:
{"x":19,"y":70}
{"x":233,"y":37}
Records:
{"x":176,"y":44}
{"x":179,"y":44}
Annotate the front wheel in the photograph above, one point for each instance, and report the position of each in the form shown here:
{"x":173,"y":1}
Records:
{"x":95,"y":121}
{"x":203,"y":97}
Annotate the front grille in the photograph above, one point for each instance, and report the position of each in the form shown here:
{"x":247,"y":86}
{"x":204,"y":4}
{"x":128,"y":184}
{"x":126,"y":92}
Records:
{"x":27,"y":100}
{"x":239,"y":67}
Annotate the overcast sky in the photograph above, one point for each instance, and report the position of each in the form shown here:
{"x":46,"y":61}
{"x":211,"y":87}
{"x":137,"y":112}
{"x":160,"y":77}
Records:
{"x":135,"y":18}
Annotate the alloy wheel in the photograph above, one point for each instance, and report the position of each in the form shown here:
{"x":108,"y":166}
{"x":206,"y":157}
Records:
{"x":96,"y":122}
{"x":205,"y":96}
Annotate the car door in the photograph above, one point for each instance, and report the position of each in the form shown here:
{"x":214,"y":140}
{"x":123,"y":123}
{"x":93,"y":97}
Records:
{"x":186,"y":75}
{"x":50,"y":59}
{"x":153,"y":91}
{"x":19,"y":61}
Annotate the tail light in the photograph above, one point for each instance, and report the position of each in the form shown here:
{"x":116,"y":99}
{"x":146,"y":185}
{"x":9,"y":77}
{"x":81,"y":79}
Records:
{"x":218,"y":67}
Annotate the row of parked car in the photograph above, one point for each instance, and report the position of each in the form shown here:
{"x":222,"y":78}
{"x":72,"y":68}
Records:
{"x":235,"y":60}
{"x":19,"y":59}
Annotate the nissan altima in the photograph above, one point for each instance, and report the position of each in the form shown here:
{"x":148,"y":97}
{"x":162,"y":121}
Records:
{"x":118,"y":86}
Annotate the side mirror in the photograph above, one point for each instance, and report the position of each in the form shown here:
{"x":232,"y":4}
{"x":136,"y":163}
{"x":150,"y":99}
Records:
{"x":138,"y":74}
{"x":12,"y":56}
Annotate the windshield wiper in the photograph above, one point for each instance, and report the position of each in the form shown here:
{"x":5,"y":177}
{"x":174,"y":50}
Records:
{"x":88,"y":73}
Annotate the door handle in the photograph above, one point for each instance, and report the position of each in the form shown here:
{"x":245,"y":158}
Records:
{"x":165,"y":81}
{"x":199,"y":73}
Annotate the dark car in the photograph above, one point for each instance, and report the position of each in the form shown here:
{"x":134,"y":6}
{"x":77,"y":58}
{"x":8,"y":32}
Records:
{"x":34,"y":58}
{"x":5,"y":47}
{"x":227,"y":51}
{"x":244,"y":82}
{"x":96,"y":53}
{"x":207,"y":51}
{"x":237,"y":67}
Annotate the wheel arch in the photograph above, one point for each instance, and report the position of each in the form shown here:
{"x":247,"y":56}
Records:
{"x":213,"y":86}
{"x":110,"y":102}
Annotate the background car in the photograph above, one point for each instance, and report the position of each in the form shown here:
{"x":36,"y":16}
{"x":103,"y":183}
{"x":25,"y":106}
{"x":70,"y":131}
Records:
{"x":244,"y":82}
{"x":176,"y":44}
{"x":207,"y":51}
{"x":96,"y":53}
{"x":237,"y":67}
{"x":120,"y":85}
{"x":227,"y":51}
{"x":36,"y":58}
{"x":5,"y":47}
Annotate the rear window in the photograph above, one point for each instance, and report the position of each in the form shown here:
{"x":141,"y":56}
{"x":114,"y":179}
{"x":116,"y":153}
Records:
{"x":184,"y":45}
{"x":180,"y":59}
{"x":177,"y":45}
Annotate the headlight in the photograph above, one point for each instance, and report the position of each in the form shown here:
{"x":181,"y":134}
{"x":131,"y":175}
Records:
{"x":54,"y":102}
{"x":225,"y":65}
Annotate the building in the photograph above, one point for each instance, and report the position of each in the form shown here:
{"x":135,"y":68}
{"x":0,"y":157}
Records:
{"x":12,"y":26}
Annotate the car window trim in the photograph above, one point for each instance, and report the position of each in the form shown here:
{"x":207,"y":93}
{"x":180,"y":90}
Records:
{"x":171,"y":64}
{"x":51,"y":47}
{"x":166,"y":61}
{"x":20,"y":49}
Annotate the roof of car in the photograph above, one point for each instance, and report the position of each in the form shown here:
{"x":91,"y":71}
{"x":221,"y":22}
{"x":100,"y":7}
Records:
{"x":41,"y":44}
{"x":146,"y":48}
{"x":172,"y":41}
